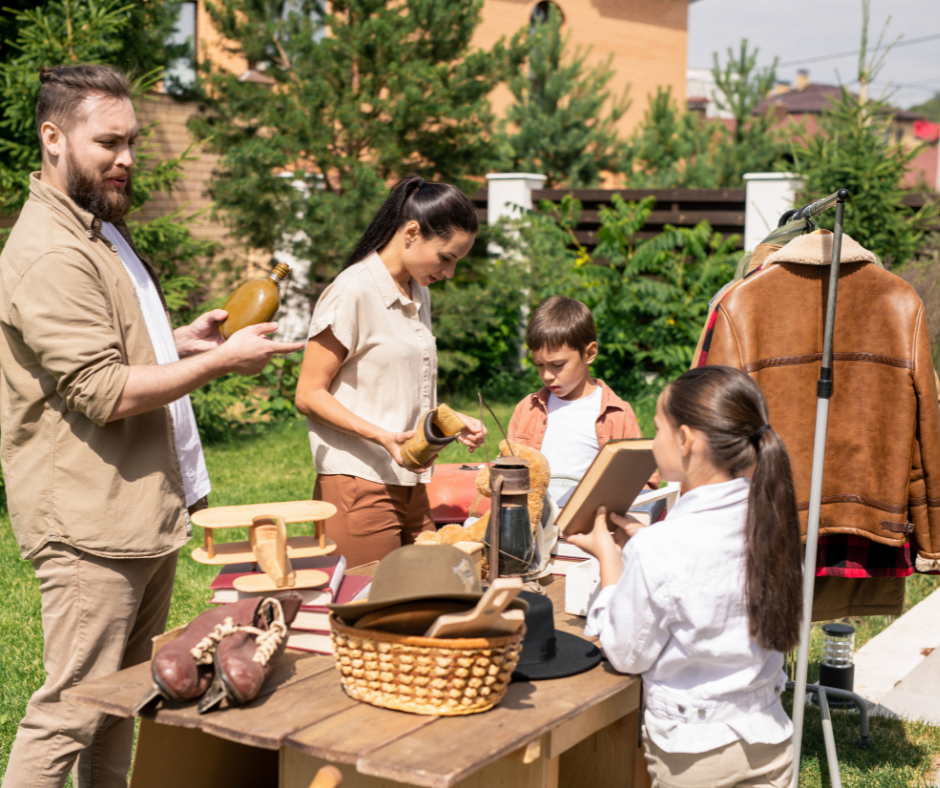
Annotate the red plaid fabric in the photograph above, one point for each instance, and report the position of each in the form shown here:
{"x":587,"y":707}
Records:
{"x":847,"y":555}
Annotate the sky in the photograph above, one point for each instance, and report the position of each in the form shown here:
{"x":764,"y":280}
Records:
{"x":798,"y":30}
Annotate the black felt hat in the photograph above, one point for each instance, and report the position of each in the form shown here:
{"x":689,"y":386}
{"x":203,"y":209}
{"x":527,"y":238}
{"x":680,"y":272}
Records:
{"x":546,"y":652}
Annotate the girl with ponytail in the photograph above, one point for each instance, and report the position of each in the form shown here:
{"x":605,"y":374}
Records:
{"x":705,"y":604}
{"x":370,"y":368}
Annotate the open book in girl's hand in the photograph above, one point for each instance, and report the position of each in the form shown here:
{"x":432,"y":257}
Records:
{"x":616,"y":477}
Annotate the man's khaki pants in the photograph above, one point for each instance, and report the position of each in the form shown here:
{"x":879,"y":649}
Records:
{"x":98,"y":617}
{"x":736,"y":765}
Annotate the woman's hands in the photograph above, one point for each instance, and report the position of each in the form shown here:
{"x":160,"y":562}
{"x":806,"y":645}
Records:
{"x":473,"y":434}
{"x":392,"y":443}
{"x":606,"y":545}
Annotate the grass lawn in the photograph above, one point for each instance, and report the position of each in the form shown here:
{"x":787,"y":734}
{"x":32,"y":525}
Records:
{"x":276,"y":466}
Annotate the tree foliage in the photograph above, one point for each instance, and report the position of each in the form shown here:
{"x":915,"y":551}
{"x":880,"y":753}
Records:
{"x":672,"y":149}
{"x":677,"y":149}
{"x":94,"y":31}
{"x":854,"y":149}
{"x":563,"y":122}
{"x":649,"y":297}
{"x":394,"y":88}
{"x":754,"y":145}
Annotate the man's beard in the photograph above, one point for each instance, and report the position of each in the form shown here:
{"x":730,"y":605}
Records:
{"x":94,"y":195}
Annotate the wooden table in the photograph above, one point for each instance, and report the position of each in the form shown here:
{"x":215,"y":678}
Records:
{"x":576,"y":731}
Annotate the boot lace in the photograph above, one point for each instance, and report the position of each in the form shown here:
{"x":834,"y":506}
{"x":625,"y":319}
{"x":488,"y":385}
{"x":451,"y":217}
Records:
{"x":266,"y":641}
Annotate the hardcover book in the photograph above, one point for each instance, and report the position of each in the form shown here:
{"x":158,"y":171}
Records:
{"x":615,"y":478}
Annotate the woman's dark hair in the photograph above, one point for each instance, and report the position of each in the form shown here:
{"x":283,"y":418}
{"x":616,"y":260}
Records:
{"x":728,"y":407}
{"x":439,"y":209}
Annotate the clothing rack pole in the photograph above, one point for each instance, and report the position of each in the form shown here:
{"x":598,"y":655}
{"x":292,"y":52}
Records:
{"x":823,"y":394}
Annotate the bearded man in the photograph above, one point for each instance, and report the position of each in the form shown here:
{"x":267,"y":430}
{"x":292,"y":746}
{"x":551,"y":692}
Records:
{"x":100,"y":451}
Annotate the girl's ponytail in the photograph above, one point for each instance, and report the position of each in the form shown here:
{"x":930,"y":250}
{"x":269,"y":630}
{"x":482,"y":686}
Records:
{"x":774,"y":575}
{"x":439,"y":209}
{"x":728,"y":407}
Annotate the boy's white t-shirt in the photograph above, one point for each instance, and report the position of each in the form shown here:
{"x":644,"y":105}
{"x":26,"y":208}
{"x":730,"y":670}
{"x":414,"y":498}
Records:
{"x":188,"y":446}
{"x":570,"y":442}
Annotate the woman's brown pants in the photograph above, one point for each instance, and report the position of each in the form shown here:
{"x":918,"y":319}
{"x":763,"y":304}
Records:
{"x":372,"y":519}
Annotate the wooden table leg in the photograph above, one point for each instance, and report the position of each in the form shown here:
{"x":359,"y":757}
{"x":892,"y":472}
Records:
{"x":319,"y":529}
{"x":208,"y":538}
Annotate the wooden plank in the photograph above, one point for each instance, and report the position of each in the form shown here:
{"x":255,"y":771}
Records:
{"x":452,"y":749}
{"x":615,"y":708}
{"x":635,"y":195}
{"x":680,"y":217}
{"x":267,"y":721}
{"x":182,"y":758}
{"x":589,"y":237}
{"x":120,"y":692}
{"x":349,"y":735}
{"x":297,"y":770}
{"x":241,"y":516}
{"x":605,"y":759}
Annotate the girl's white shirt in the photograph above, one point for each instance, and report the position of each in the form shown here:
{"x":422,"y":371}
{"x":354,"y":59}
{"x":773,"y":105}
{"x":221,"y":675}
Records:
{"x":678,"y":616}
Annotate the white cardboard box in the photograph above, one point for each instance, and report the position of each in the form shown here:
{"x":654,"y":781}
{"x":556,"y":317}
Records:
{"x":582,"y":585}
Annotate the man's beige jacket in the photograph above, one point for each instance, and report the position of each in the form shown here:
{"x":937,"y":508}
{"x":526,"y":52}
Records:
{"x":71,"y":328}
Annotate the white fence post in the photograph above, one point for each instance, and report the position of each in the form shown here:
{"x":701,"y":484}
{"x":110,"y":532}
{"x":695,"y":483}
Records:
{"x":769,"y":196}
{"x":506,"y":190}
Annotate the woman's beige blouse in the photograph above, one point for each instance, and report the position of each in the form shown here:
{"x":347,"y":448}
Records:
{"x":389,"y":376}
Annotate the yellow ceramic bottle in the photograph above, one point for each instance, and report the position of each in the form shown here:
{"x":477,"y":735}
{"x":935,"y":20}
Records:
{"x":254,"y":302}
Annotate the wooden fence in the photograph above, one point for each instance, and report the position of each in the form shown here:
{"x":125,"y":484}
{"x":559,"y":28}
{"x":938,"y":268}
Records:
{"x":722,"y":208}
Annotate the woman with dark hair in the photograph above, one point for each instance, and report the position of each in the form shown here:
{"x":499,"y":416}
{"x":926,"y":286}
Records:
{"x":706,"y":603}
{"x":370,"y":369}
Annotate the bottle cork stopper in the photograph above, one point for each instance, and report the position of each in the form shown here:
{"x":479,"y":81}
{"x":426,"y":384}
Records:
{"x":281,"y":272}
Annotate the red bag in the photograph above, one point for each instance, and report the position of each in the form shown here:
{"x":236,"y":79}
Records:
{"x":453,"y":493}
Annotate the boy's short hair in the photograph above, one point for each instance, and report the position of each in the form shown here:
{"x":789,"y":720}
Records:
{"x":561,"y":321}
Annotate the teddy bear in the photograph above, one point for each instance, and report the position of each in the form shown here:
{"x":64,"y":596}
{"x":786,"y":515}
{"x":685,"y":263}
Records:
{"x":539,"y":478}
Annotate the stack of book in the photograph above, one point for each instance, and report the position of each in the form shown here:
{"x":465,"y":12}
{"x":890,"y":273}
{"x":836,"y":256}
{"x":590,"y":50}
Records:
{"x":311,"y":629}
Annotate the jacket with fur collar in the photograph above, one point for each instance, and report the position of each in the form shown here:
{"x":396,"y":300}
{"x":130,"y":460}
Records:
{"x":882,"y":471}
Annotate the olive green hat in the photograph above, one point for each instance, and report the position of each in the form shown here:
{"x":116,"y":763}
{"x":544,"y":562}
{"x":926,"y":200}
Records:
{"x":418,"y":572}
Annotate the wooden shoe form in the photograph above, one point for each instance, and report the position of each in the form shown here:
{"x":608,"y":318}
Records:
{"x":221,"y":517}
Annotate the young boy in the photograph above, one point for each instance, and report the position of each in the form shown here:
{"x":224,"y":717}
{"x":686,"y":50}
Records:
{"x":573,"y":415}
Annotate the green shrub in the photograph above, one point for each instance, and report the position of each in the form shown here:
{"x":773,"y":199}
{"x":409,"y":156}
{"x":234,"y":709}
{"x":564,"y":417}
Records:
{"x":649,"y":299}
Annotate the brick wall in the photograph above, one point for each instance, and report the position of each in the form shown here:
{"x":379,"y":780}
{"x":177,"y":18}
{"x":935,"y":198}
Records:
{"x":646,"y":40}
{"x":169,"y":137}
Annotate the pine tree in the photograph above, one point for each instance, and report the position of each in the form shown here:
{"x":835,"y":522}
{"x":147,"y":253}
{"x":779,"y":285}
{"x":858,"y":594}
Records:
{"x":672,"y":149}
{"x":855,"y":150}
{"x":564,"y":121}
{"x":753,"y":145}
{"x":392,"y":88}
{"x":91,"y":31}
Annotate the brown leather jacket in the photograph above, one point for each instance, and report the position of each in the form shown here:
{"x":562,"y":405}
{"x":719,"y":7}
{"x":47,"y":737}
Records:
{"x":882,"y":473}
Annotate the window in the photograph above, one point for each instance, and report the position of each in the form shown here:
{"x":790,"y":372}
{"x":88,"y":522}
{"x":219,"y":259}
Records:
{"x":181,"y":72}
{"x":541,"y":11}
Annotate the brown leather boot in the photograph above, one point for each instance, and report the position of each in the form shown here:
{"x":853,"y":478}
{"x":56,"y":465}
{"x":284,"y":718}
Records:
{"x":246,"y":657}
{"x":182,"y":670}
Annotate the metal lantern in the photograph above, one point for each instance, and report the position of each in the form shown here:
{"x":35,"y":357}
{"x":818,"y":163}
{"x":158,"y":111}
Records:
{"x":837,"y":667}
{"x":513,"y":551}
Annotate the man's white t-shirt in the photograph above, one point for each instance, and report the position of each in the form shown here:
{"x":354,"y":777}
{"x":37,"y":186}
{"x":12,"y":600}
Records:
{"x":570,"y":442}
{"x":188,"y":446}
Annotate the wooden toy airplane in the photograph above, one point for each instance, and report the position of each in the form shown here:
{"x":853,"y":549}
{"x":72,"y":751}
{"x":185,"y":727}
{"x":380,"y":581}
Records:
{"x":268,"y":544}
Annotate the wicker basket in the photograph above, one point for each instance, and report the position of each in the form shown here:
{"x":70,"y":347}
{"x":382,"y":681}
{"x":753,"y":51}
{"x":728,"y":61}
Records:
{"x":441,"y":676}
